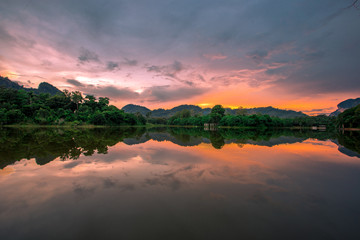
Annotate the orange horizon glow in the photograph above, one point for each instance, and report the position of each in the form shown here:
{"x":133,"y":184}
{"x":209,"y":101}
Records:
{"x":239,"y":96}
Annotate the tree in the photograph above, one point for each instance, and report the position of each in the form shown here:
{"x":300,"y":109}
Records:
{"x":90,"y":101}
{"x":14,"y":116}
{"x":3,"y":118}
{"x":77,"y":98}
{"x":103,"y":102}
{"x":217,"y":112}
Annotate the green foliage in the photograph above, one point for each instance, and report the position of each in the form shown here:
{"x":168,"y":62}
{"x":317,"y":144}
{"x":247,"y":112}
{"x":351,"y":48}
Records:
{"x":197,"y":111}
{"x":19,"y":106}
{"x":216,"y":114}
{"x":254,"y":120}
{"x":14,"y":116}
{"x":350,"y":118}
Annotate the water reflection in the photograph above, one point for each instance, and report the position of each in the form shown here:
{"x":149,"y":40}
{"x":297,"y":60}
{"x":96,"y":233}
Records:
{"x":138,"y":183}
{"x":47,"y":144}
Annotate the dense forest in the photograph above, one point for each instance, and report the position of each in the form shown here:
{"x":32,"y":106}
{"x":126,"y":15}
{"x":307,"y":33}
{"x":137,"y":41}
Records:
{"x":350,"y":118}
{"x":243,"y":119}
{"x":26,"y":107}
{"x":166,"y":113}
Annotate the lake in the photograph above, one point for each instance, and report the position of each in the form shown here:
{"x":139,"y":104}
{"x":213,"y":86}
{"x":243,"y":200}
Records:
{"x":178,"y":183}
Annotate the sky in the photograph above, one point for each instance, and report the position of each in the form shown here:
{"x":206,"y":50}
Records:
{"x":300,"y":54}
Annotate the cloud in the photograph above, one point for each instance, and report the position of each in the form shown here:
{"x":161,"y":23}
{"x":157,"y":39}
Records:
{"x":5,"y":36}
{"x":258,"y":56}
{"x":109,"y":183}
{"x":83,"y":191}
{"x":130,"y":62}
{"x":215,"y":57}
{"x":169,"y":179}
{"x":170,"y":70}
{"x":317,"y":111}
{"x":72,"y":164}
{"x":171,"y":93}
{"x":113,"y":92}
{"x":112,"y":66}
{"x":87,"y":56}
{"x":75,"y":83}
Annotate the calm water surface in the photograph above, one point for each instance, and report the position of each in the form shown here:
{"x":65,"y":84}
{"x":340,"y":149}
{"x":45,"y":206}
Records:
{"x":178,"y":184}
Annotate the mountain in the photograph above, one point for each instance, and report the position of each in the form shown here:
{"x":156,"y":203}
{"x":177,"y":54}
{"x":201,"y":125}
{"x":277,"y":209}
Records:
{"x":275,"y":112}
{"x":170,"y":112}
{"x":132,"y":108}
{"x":7,"y":83}
{"x":44,"y":87}
{"x":166,"y":113}
{"x":349,"y":103}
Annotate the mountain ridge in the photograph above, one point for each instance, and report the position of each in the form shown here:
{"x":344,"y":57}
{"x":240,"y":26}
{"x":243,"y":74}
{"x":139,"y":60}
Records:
{"x":43,"y":87}
{"x":160,"y":112}
{"x":346,"y":104}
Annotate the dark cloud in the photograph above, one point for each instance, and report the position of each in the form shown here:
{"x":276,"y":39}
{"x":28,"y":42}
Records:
{"x":319,"y":110}
{"x":72,"y":164}
{"x":258,"y":56}
{"x":169,"y":179}
{"x":153,"y":68}
{"x":313,"y":56}
{"x":171,"y":93}
{"x":88,"y":56}
{"x":75,"y":82}
{"x":113,"y":92}
{"x":109,"y":183}
{"x":111,"y":66}
{"x":5,"y":36}
{"x":170,"y":70}
{"x":83,"y":191}
{"x":130,"y":62}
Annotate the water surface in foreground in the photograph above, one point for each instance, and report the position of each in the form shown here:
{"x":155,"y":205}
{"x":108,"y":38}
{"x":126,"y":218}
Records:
{"x":178,"y":184}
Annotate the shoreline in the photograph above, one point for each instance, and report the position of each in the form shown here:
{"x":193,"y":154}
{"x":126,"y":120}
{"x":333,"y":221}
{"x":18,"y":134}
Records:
{"x":89,"y":126}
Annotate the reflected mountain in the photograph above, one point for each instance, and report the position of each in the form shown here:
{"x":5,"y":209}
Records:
{"x":47,"y":144}
{"x":349,"y":143}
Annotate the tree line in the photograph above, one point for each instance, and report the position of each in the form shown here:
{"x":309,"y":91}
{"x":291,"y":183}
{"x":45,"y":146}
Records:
{"x":22,"y":107}
{"x":217,"y":116}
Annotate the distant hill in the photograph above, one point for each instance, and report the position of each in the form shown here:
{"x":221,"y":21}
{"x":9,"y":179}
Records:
{"x":349,"y":103}
{"x":166,"y":113}
{"x":7,"y":83}
{"x":275,"y":112}
{"x":44,"y":87}
{"x":132,"y":108}
{"x":170,"y":112}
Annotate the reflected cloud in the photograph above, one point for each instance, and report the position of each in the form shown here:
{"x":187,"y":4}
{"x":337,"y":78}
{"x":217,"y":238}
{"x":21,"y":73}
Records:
{"x":83,"y":191}
{"x":169,"y":179}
